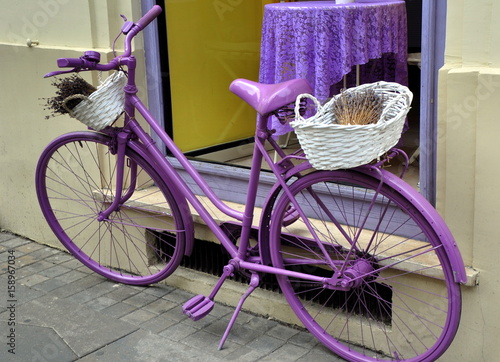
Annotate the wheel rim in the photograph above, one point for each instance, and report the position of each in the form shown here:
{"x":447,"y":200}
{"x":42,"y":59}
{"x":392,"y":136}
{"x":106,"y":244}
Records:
{"x":141,"y":243}
{"x":386,"y":311}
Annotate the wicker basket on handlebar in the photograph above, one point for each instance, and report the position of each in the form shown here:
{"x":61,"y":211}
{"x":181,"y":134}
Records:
{"x":101,"y":108}
{"x":329,"y":145}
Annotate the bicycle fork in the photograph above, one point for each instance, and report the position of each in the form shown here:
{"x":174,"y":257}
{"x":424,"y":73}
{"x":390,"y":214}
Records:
{"x":119,"y":143}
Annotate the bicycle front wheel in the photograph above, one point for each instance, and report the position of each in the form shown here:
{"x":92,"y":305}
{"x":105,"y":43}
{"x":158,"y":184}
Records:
{"x":385,"y":289}
{"x":141,"y":242}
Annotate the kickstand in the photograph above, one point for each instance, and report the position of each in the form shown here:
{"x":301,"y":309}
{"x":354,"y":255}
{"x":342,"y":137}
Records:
{"x":254,"y":283}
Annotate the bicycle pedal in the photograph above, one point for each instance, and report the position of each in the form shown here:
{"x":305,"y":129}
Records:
{"x":198,"y":307}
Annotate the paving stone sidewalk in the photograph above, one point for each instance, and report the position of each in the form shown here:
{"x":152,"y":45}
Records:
{"x":55,"y":309}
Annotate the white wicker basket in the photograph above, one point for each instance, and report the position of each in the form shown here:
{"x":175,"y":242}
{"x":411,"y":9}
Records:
{"x":102,"y":107}
{"x":331,"y":146}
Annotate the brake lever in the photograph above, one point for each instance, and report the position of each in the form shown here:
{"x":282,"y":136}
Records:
{"x":127,"y":25}
{"x":58,"y":72}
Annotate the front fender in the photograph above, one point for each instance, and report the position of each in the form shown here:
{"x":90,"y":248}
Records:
{"x":181,"y":201}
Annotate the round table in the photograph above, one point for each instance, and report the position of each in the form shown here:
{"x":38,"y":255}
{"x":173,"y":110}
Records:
{"x":322,"y":42}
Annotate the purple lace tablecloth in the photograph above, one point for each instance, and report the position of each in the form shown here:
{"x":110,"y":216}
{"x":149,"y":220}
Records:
{"x":322,"y":41}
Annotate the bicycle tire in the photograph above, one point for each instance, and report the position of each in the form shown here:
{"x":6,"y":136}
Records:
{"x":140,"y":243}
{"x":389,"y":309}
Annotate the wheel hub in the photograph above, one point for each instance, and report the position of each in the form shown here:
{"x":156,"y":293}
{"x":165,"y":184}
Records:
{"x":352,"y":277}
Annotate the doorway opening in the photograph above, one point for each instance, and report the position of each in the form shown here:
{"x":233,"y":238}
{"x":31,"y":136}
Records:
{"x":215,"y":45}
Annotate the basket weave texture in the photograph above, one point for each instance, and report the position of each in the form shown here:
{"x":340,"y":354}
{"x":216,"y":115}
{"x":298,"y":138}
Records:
{"x":103,"y":106}
{"x":331,"y":146}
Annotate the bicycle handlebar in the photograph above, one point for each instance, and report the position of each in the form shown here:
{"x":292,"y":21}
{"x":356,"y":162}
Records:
{"x":90,"y":59}
{"x":149,"y":17}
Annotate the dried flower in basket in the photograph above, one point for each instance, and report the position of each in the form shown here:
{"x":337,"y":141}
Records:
{"x":70,"y":92}
{"x":358,"y":108}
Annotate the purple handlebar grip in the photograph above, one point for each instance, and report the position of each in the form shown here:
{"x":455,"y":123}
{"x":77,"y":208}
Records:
{"x":149,"y":16}
{"x":69,"y":62}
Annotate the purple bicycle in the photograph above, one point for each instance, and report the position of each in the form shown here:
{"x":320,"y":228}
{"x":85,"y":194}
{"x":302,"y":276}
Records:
{"x":363,"y":260}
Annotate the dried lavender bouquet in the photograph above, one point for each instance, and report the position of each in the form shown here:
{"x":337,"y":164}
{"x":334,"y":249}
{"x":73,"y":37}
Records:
{"x":70,"y":92}
{"x":358,"y":108}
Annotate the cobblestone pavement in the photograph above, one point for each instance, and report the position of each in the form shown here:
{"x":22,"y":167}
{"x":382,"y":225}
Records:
{"x":55,"y":309}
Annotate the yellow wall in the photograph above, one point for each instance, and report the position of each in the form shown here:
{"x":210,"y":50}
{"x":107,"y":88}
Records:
{"x":210,"y":44}
{"x":468,"y":170}
{"x":63,"y":29}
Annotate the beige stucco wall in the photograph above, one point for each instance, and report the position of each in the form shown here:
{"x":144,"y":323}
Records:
{"x":468,"y":171}
{"x":63,"y":28}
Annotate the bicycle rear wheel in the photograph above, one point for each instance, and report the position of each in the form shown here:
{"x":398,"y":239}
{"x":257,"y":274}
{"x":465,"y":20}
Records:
{"x":142,"y":242}
{"x":389,"y":291}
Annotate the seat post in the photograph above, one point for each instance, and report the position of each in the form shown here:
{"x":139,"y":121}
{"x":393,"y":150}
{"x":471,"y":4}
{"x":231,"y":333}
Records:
{"x":262,"y":130}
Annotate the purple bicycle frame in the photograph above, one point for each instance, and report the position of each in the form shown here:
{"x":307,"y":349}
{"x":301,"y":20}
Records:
{"x":264,"y":98}
{"x":167,"y":171}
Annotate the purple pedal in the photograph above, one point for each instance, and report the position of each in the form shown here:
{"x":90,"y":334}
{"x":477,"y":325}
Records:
{"x":198,"y":307}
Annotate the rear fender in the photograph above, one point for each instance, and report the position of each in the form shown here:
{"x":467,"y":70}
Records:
{"x":427,"y":210}
{"x":430,"y":214}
